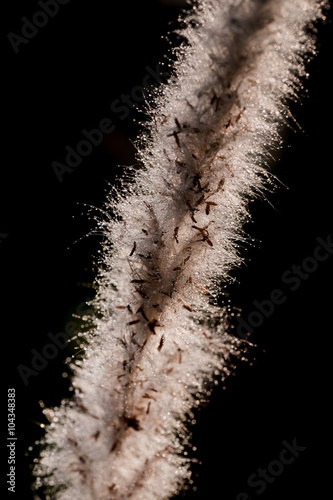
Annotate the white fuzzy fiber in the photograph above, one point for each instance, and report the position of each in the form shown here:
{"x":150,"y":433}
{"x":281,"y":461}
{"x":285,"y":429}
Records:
{"x":159,"y":342}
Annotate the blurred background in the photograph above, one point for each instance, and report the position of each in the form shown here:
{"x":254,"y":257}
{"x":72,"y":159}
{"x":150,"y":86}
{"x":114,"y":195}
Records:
{"x":64,"y":80}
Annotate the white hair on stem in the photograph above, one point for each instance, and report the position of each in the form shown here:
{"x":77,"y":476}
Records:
{"x":158,"y":341}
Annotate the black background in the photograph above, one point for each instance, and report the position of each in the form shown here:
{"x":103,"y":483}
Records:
{"x":64,"y":80}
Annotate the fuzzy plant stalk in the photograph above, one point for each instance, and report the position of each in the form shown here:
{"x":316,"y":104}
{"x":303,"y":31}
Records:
{"x":159,"y":341}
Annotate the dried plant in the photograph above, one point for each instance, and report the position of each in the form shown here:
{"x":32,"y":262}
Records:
{"x":159,"y":341}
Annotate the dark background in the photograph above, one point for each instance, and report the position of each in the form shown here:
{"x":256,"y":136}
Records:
{"x":64,"y":80}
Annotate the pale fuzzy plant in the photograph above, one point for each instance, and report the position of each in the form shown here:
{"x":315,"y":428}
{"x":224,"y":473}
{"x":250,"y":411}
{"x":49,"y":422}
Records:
{"x":159,"y":342}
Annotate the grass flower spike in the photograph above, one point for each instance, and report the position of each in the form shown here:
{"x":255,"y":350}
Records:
{"x":159,"y":340}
